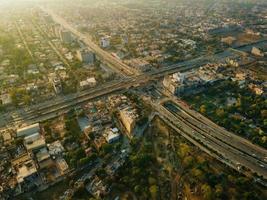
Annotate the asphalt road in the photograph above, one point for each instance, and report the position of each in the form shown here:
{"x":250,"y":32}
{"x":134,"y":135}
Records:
{"x":231,"y":155}
{"x":116,"y":64}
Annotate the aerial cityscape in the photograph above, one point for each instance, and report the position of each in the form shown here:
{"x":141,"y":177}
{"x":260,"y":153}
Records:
{"x":133,"y":99}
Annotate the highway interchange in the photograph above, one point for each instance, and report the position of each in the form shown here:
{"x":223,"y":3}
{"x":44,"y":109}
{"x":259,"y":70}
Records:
{"x":232,"y":148}
{"x":225,"y":146}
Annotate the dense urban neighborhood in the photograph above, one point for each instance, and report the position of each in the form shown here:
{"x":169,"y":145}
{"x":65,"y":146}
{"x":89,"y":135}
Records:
{"x":133,"y":99}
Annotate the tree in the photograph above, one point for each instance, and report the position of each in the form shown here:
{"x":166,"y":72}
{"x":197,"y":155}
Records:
{"x":152,"y":180}
{"x":107,"y":148}
{"x":26,"y":99}
{"x":264,"y":114}
{"x":153,"y":191}
{"x":202,"y":109}
{"x":197,"y":173}
{"x":218,"y":191}
{"x":206,"y":191}
{"x":138,"y":189}
{"x":220,"y":112}
{"x":184,"y":150}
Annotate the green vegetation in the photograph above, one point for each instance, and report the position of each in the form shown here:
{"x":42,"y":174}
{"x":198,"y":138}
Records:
{"x":143,"y":110}
{"x":245,"y":117}
{"x":163,"y":165}
{"x":76,"y":156}
{"x":139,"y":173}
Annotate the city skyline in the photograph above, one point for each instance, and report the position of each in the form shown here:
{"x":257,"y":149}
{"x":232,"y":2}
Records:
{"x":133,"y":99}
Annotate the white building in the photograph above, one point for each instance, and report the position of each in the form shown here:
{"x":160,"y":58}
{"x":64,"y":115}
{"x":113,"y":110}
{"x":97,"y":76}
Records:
{"x":89,"y":82}
{"x":28,"y":130}
{"x":112,"y":135}
{"x":175,"y":83}
{"x":105,"y":42}
{"x":55,"y":148}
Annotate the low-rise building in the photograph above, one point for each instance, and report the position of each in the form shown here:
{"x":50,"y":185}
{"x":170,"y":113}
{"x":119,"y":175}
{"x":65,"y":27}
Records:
{"x":24,"y":167}
{"x":89,"y":82}
{"x":55,"y":148}
{"x":28,"y":130}
{"x":43,"y":158}
{"x":192,"y":81}
{"x":7,"y":137}
{"x":112,"y":135}
{"x":62,"y":166}
{"x":139,"y":64}
{"x":5,"y":99}
{"x":97,"y":187}
{"x":34,"y":142}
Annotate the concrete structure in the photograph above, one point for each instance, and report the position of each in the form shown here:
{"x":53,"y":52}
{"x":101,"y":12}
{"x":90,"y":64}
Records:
{"x":34,"y":142}
{"x":24,"y":167}
{"x":62,"y":166}
{"x":5,"y":99}
{"x":112,"y":135}
{"x":86,"y":56}
{"x":56,"y":83}
{"x":174,"y":83}
{"x":193,"y":81}
{"x":43,"y":158}
{"x":7,"y":137}
{"x":105,"y":42}
{"x":257,"y":52}
{"x":128,"y":117}
{"x":28,"y":130}
{"x":140,"y":65}
{"x":55,"y":148}
{"x":89,"y":82}
{"x":66,"y":36}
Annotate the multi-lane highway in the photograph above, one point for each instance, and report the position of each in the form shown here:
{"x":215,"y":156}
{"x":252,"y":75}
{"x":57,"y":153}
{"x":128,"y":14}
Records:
{"x":231,"y":147}
{"x":60,"y":104}
{"x":116,"y":64}
{"x":224,"y":146}
{"x":227,"y":147}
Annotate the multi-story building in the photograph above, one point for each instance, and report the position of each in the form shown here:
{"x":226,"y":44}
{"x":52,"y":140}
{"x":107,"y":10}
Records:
{"x":105,"y":42}
{"x":86,"y":56}
{"x":175,"y":83}
{"x":129,"y":117}
{"x":193,"y":81}
{"x":66,"y":36}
